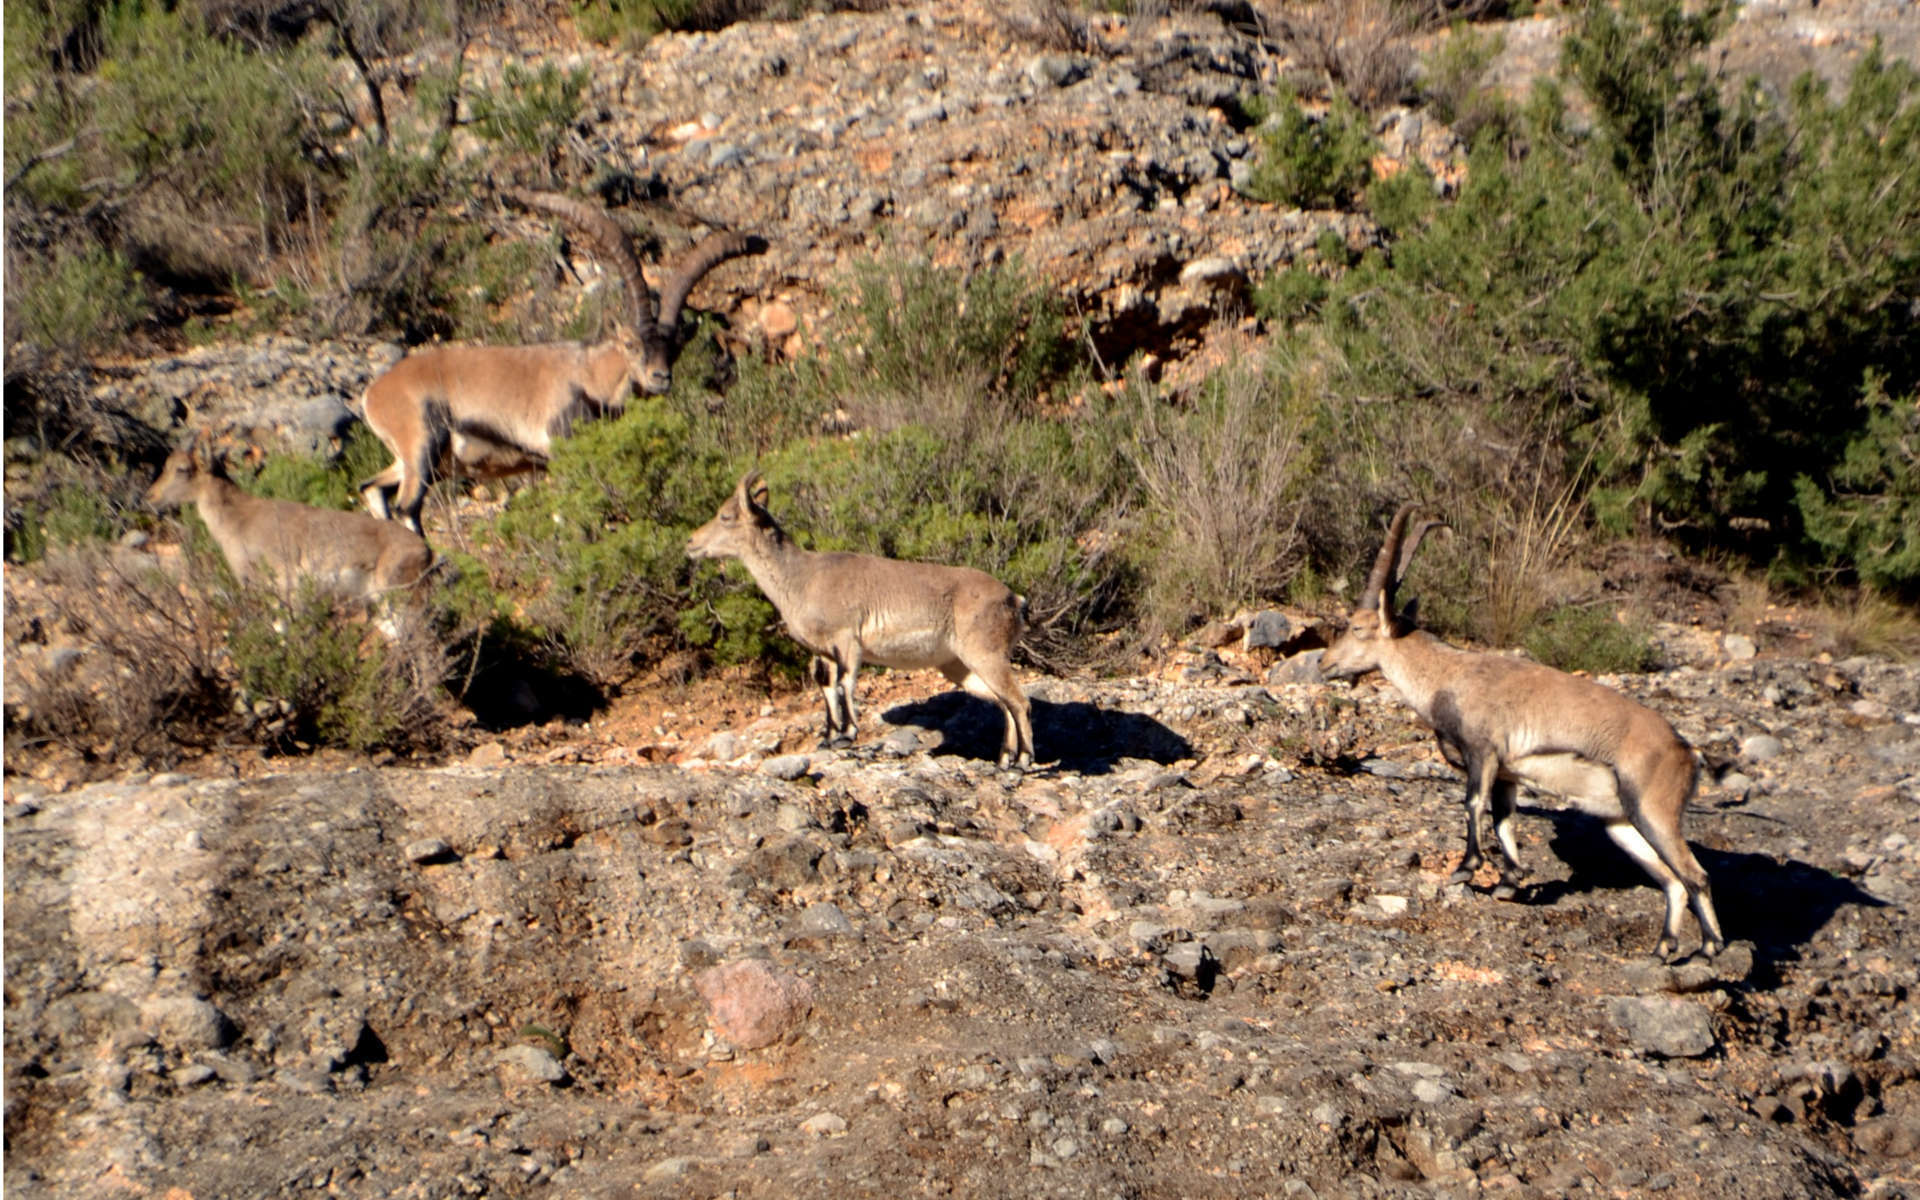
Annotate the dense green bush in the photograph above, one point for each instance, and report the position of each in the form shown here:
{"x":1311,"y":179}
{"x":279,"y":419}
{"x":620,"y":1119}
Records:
{"x":1311,"y":163}
{"x":1666,"y":311}
{"x":1573,"y":638}
{"x":329,"y":479}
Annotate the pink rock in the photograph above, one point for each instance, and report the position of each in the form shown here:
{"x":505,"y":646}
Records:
{"x":753,"y":1005}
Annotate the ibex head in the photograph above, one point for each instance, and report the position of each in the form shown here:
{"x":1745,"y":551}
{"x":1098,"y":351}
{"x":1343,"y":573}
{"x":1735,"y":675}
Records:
{"x":741,"y":524}
{"x":1373,"y":622}
{"x":652,"y":339}
{"x":183,"y":467}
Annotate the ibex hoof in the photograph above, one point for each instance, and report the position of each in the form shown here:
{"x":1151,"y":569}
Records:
{"x":1505,"y":890}
{"x":1463,"y":875}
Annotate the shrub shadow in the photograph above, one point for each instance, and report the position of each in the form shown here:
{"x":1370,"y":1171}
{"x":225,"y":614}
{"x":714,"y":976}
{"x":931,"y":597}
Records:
{"x":1777,"y":904}
{"x":1077,"y":736}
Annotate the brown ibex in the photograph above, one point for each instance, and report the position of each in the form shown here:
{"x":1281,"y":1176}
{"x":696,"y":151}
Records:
{"x":853,"y":608}
{"x":347,"y":554}
{"x":492,"y":411}
{"x":1507,"y":721}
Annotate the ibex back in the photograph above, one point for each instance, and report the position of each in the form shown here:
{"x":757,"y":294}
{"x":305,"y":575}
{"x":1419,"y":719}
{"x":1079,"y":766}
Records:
{"x":853,"y":608}
{"x":490,"y":411}
{"x":1507,"y":721}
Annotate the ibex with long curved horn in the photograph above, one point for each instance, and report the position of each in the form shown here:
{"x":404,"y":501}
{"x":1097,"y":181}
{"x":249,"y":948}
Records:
{"x":1507,"y":721}
{"x":491,"y":411}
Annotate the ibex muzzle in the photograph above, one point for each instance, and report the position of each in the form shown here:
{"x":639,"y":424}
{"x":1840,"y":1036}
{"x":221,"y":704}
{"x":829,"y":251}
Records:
{"x":492,"y":411}
{"x":853,"y":608}
{"x":1507,"y":721}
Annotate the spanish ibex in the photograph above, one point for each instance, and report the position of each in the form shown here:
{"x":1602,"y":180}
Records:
{"x":853,"y":608}
{"x":1507,"y":721}
{"x":347,"y":554}
{"x":492,"y":411}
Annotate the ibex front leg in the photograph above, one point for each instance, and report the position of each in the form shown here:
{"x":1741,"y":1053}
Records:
{"x":1482,"y":773}
{"x":825,"y":674}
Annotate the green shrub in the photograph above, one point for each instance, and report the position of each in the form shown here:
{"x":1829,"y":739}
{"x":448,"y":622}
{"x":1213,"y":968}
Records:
{"x":83,"y":299}
{"x":914,"y":326}
{"x":1452,"y":87}
{"x":1310,"y":163}
{"x":325,"y":480}
{"x":67,"y":514}
{"x":1586,"y":639}
{"x":532,"y":110}
{"x":309,"y":671}
{"x":1290,"y":294}
{"x":1224,"y":488}
{"x":1866,"y":514}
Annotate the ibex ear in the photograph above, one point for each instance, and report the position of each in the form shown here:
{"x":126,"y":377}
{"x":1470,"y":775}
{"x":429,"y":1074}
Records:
{"x":753,"y":490}
{"x":200,"y":453}
{"x":1410,"y":615}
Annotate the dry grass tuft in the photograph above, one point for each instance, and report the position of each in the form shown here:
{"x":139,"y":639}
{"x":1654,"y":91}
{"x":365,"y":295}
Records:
{"x":1868,"y":623}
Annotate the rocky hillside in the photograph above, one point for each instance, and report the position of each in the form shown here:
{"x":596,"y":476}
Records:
{"x":1207,"y":949}
{"x":1180,"y":960}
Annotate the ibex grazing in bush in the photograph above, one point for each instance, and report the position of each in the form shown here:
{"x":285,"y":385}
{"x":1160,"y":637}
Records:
{"x":854,"y":608}
{"x":492,"y":411}
{"x":347,"y":554}
{"x":1506,"y":721}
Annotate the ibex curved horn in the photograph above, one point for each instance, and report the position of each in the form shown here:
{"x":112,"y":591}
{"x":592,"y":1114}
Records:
{"x":712,"y":250}
{"x":1411,"y":547}
{"x":1383,"y":576}
{"x":607,"y":240}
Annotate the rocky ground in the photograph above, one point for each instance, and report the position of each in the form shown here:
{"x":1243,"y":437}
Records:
{"x":1207,"y":950}
{"x":1178,"y":960}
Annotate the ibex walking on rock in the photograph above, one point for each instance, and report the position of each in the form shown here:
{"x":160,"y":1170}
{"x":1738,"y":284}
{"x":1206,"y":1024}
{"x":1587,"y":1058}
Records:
{"x":347,"y":554}
{"x":1507,"y":721}
{"x":853,"y":608}
{"x":491,"y":411}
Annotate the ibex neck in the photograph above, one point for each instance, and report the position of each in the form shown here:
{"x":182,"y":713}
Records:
{"x":220,"y":502}
{"x":1416,"y":665}
{"x":780,"y":568}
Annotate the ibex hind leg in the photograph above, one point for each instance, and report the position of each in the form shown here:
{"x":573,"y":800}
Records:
{"x":1481,"y":776}
{"x":1678,"y":858}
{"x":376,"y":490}
{"x":994,"y":683}
{"x":1677,"y":893}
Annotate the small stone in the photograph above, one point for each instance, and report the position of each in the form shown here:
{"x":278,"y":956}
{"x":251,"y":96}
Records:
{"x":487,"y":754}
{"x":721,"y":155}
{"x":723,"y":746}
{"x":185,"y":1024}
{"x":1267,"y":630}
{"x":1761,"y":747}
{"x":428,"y":850}
{"x":786,"y":766}
{"x":924,"y":114}
{"x":668,"y":1170}
{"x":825,"y":919}
{"x":1431,"y":1091}
{"x":1391,"y":906}
{"x":194,"y":1074}
{"x":1299,"y":668}
{"x":1055,"y":70}
{"x":751,"y":1004}
{"x":1113,"y":1127}
{"x":1214,"y":269}
{"x":530,"y":1064}
{"x":825,"y":1124}
{"x":1739,"y":647}
{"x":1665,"y":1025}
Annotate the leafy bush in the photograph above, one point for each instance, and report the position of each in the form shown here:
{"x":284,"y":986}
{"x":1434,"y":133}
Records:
{"x":309,"y":671}
{"x":1659,"y":308}
{"x":1310,"y":163}
{"x":1585,"y":639}
{"x":323,"y":480}
{"x":1452,"y":87}
{"x":78,"y":301}
{"x":1867,"y":512}
{"x":531,"y":110}
{"x":1225,"y":487}
{"x":914,"y":326}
